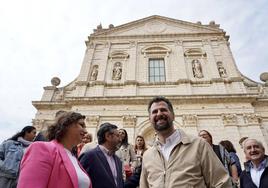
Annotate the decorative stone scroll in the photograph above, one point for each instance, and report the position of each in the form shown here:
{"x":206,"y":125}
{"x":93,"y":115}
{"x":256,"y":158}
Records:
{"x":229,"y":119}
{"x":92,"y":121}
{"x":129,"y":121}
{"x":252,"y":119}
{"x":189,"y":120}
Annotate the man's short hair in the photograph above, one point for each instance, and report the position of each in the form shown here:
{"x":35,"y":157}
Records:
{"x":104,"y":128}
{"x":160,"y":99}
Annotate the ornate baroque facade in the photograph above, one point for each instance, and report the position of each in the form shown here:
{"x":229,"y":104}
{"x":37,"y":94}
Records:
{"x":189,"y":63}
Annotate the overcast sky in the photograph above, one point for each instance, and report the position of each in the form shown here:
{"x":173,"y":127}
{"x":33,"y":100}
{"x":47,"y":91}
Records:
{"x":40,"y":39}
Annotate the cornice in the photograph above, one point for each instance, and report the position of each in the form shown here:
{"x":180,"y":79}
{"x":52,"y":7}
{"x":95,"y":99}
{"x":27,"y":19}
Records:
{"x":161,"y":36}
{"x":50,"y":104}
{"x":160,"y":84}
{"x":143,"y":100}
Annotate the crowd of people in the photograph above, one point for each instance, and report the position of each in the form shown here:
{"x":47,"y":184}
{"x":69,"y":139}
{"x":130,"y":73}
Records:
{"x":65,"y":155}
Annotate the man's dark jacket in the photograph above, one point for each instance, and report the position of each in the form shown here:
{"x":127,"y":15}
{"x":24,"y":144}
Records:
{"x":98,"y":169}
{"x":246,"y":180}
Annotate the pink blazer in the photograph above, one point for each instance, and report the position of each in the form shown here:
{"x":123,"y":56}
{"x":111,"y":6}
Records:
{"x":47,"y":165}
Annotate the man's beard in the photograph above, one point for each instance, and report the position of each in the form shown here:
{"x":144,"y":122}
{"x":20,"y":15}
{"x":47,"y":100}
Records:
{"x":162,"y":127}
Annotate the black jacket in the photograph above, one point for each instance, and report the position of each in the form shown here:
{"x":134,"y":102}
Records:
{"x":98,"y":169}
{"x":245,"y":177}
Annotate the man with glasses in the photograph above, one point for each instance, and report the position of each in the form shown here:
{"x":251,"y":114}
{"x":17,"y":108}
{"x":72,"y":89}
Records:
{"x":101,"y":163}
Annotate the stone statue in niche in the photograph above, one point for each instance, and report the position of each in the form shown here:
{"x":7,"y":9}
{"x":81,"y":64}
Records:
{"x":197,"y":69}
{"x":117,"y":71}
{"x":94,"y":73}
{"x":222,"y":70}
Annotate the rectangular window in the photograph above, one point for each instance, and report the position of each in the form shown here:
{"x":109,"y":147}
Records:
{"x":157,"y":70}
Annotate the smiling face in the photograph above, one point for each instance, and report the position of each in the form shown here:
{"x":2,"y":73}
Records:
{"x":161,"y":117}
{"x":254,"y":151}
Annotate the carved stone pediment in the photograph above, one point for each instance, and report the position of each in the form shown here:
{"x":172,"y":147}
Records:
{"x":189,"y":120}
{"x":118,"y":55}
{"x":92,"y":121}
{"x":194,"y":52}
{"x":229,"y":119}
{"x":156,"y":49}
{"x":157,"y":25}
{"x":129,"y":121}
{"x":252,"y":119}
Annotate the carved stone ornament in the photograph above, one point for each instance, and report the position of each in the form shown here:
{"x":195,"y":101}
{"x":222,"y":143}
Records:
{"x":129,"y":121}
{"x":92,"y":121}
{"x":252,"y":119}
{"x":155,"y":27}
{"x":55,"y":81}
{"x":38,"y":123}
{"x":264,"y":77}
{"x":194,"y":52}
{"x":189,"y":120}
{"x":156,"y":50}
{"x":119,"y":55}
{"x":229,"y":119}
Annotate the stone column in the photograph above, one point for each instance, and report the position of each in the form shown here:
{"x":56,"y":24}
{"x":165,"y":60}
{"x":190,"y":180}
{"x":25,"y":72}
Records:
{"x":84,"y":74}
{"x":132,"y":62}
{"x":129,"y":123}
{"x":92,"y":124}
{"x":190,"y":123}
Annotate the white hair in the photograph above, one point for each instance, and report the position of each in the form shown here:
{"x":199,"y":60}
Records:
{"x":257,"y":141}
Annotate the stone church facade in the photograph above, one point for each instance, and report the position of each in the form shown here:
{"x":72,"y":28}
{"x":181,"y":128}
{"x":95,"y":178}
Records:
{"x":189,"y":63}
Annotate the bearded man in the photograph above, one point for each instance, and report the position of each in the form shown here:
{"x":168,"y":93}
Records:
{"x":177,"y":159}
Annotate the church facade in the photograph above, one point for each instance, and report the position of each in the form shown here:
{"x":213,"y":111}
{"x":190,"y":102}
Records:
{"x":189,"y":63}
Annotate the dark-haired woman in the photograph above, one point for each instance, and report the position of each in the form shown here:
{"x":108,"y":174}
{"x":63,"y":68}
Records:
{"x":126,"y":154}
{"x":51,"y":164}
{"x":231,"y":150}
{"x":11,"y":152}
